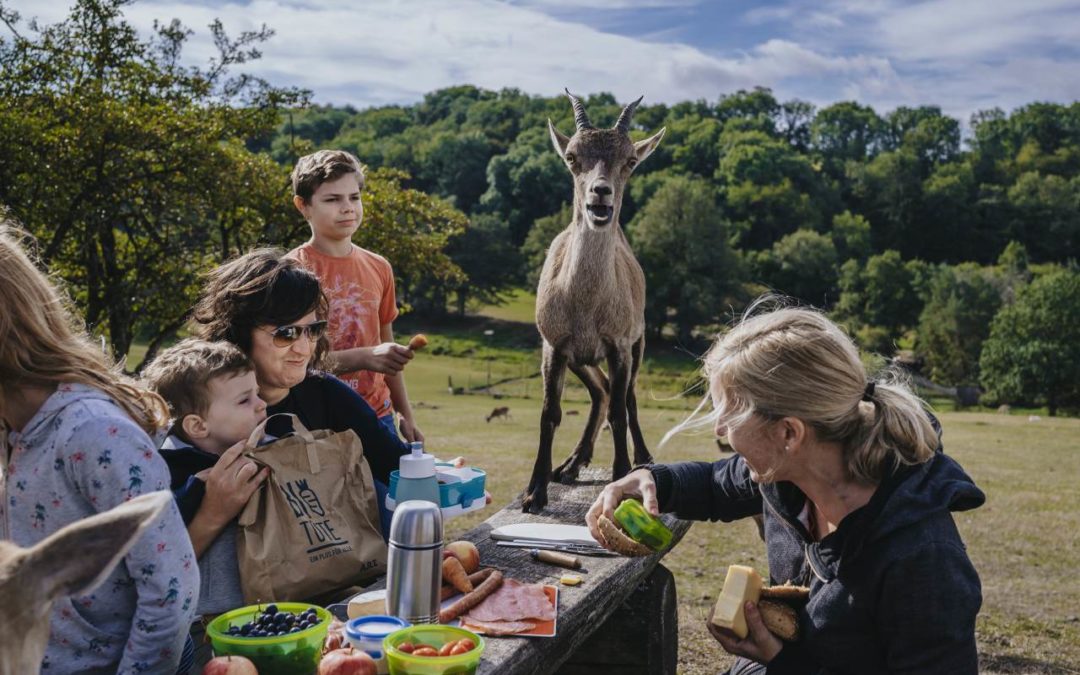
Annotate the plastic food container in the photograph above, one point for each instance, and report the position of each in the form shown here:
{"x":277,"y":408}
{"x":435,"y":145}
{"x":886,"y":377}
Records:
{"x":460,"y":490}
{"x":291,"y":654}
{"x":642,"y":526}
{"x":367,"y":633}
{"x":432,"y":635}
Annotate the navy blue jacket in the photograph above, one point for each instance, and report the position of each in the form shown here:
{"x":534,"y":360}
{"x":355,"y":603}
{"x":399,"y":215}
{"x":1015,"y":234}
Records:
{"x":891,"y":590}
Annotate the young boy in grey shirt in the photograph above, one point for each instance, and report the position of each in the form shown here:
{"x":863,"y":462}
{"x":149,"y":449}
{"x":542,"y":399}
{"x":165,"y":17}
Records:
{"x":213,"y":398}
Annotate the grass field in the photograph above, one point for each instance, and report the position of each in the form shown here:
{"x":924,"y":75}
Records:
{"x":1024,"y":541}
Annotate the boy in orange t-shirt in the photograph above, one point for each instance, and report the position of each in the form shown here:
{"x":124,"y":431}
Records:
{"x":358,"y":283}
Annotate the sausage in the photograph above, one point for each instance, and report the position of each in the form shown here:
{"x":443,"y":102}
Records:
{"x":418,"y":342}
{"x":470,"y":600}
{"x":475,"y":578}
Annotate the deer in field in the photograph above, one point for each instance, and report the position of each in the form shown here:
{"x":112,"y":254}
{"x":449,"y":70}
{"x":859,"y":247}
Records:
{"x":70,"y":562}
{"x":590,"y":303}
{"x":502,"y":411}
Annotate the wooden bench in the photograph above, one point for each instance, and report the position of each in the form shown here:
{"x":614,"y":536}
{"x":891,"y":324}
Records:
{"x":623,"y":618}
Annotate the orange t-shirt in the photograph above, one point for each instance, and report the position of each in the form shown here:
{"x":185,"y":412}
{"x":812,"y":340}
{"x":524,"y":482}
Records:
{"x":360,"y":288}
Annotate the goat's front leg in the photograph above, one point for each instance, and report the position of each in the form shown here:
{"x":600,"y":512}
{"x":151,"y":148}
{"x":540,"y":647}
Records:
{"x":553,"y":369}
{"x":641,"y":452}
{"x":619,"y":366}
{"x":597,"y":383}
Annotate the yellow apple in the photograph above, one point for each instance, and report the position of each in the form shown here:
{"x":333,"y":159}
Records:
{"x":466,"y":553}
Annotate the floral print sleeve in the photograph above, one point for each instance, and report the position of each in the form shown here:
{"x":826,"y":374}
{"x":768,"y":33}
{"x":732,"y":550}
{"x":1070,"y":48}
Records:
{"x":109,"y":461}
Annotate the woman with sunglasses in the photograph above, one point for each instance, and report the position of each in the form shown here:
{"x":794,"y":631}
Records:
{"x":273,"y":309}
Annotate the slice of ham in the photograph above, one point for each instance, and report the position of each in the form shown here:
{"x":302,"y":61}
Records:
{"x":514,"y":601}
{"x":498,"y":627}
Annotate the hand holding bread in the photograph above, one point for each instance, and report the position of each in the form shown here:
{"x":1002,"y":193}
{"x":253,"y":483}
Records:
{"x":638,"y":484}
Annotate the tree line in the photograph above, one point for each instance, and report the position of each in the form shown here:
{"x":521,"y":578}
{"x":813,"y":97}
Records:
{"x":137,"y":173}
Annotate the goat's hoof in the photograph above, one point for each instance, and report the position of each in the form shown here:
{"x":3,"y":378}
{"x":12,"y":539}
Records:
{"x":566,"y":474}
{"x":534,"y":502}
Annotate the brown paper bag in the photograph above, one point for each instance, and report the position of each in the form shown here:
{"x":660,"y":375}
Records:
{"x":313,"y":527}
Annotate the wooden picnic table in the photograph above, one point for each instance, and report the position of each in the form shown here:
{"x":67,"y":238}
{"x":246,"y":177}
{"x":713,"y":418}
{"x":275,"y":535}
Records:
{"x":623,"y":618}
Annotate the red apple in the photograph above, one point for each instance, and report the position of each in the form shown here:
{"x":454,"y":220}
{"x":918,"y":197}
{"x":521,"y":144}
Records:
{"x":466,"y":552}
{"x":347,"y":661}
{"x":229,"y":665}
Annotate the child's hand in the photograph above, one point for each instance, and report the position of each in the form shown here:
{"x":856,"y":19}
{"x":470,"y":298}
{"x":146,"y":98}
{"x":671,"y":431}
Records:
{"x":410,"y":431}
{"x":230,"y":484}
{"x":389,"y":358}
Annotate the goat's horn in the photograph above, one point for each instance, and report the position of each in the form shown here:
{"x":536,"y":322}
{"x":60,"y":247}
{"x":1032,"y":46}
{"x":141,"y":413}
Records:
{"x":623,"y":124}
{"x":581,"y":118}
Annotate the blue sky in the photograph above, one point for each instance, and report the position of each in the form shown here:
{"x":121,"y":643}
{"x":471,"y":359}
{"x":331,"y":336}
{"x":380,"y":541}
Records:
{"x":964,"y":55}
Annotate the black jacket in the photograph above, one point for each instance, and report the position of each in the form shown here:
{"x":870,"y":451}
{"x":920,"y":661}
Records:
{"x":891,"y":590}
{"x":322,"y":401}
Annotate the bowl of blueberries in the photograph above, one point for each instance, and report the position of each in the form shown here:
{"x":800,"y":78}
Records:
{"x":279,"y":638}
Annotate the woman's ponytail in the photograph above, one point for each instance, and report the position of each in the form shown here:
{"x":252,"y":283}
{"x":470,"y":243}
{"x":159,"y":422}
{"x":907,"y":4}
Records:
{"x":895,"y":430}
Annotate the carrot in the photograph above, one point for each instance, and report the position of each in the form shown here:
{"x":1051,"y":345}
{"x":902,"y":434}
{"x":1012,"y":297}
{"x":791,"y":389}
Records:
{"x":470,"y":600}
{"x":454,"y":574}
{"x":475,"y":578}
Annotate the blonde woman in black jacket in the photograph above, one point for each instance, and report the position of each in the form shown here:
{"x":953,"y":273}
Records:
{"x":856,"y":498}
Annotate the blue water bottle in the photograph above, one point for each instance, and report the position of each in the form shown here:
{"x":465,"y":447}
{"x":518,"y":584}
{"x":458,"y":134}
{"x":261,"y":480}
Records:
{"x":416,"y":476}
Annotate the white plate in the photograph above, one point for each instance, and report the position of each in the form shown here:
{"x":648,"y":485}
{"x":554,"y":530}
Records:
{"x":553,"y":532}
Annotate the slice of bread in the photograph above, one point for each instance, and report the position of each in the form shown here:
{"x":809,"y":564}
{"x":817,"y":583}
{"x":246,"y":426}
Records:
{"x":782,"y":620}
{"x":787,"y":593}
{"x":619,"y":542}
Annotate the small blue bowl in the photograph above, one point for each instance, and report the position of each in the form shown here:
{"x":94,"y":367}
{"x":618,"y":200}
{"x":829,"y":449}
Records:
{"x":367,"y":633}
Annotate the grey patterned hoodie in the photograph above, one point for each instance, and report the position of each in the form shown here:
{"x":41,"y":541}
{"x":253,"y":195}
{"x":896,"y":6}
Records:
{"x":79,"y":455}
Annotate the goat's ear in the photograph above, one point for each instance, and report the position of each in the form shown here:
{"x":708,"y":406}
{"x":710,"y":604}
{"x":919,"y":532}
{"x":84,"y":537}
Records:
{"x":645,"y":147}
{"x":79,"y":557}
{"x":557,"y":139}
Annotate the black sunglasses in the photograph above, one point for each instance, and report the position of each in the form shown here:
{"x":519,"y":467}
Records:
{"x":286,"y":335}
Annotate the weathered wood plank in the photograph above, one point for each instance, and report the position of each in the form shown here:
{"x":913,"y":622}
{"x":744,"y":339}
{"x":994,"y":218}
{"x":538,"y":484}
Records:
{"x":582,"y":609}
{"x":640,"y":638}
{"x":608,"y":582}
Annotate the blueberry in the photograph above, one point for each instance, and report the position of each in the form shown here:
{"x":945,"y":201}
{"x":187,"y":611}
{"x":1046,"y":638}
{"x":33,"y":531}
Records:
{"x":245,"y":629}
{"x":270,"y":609}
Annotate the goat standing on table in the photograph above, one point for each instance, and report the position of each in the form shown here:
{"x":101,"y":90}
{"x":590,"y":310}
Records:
{"x":590,"y":304}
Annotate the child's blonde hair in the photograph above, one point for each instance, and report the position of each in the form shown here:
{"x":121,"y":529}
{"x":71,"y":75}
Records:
{"x":181,"y":374}
{"x":43,"y":343}
{"x":794,"y":362}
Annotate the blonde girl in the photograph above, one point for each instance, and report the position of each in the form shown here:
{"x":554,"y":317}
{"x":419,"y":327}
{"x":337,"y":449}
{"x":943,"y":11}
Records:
{"x":75,"y":442}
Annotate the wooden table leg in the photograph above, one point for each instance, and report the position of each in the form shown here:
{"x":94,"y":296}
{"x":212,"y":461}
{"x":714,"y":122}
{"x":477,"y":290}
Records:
{"x":640,"y":638}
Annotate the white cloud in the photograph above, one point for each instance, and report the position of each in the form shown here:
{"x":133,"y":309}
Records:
{"x":961,"y":54}
{"x":373,"y":53}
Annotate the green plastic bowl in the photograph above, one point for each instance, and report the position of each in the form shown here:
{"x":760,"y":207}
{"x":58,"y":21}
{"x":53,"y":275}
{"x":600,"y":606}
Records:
{"x":294,"y":654}
{"x":433,"y":635}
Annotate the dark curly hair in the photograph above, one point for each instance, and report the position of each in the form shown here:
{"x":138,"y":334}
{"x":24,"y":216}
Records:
{"x":261,"y":287}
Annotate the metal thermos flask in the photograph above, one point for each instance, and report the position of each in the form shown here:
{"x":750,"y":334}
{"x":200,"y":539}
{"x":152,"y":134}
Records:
{"x":414,"y":566}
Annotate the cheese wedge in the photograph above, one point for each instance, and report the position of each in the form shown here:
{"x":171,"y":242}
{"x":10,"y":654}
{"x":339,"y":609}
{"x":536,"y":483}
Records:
{"x":367,"y":604}
{"x":742,"y":585}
